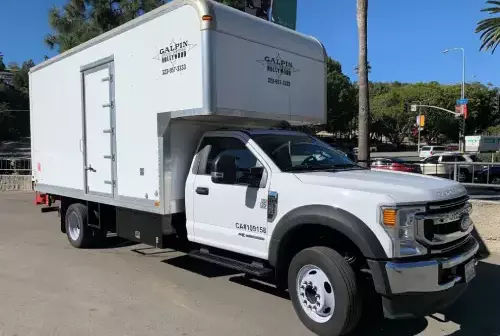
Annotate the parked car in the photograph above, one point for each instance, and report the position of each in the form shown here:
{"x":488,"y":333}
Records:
{"x":427,"y":151}
{"x":451,"y":147}
{"x":488,"y":174}
{"x":394,"y":164}
{"x":344,"y":149}
{"x":441,"y":165}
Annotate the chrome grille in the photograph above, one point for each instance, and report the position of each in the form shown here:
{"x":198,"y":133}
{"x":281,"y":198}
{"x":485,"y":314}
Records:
{"x":446,"y":206}
{"x":439,"y":228}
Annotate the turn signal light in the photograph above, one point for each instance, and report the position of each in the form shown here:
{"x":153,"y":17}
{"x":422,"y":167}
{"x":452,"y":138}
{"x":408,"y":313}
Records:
{"x":389,"y":217}
{"x":207,"y":18}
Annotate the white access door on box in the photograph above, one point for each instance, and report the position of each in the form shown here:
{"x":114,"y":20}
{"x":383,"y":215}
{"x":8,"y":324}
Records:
{"x":99,"y":130}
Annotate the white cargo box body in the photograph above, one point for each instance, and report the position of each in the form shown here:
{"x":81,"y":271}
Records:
{"x":482,"y":143}
{"x":116,"y":119}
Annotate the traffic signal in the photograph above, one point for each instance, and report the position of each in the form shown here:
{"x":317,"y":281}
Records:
{"x":407,"y":107}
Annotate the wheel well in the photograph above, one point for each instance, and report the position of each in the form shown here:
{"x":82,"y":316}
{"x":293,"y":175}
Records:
{"x":99,"y":214}
{"x":309,"y":235}
{"x":63,"y":207}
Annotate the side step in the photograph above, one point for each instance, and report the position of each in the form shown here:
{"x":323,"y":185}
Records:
{"x":253,"y":269}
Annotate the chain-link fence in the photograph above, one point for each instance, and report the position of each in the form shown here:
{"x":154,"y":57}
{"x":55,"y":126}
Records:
{"x":15,"y":174}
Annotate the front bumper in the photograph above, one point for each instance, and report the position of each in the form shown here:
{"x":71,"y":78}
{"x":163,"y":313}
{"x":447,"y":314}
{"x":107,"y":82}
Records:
{"x":423,"y":287}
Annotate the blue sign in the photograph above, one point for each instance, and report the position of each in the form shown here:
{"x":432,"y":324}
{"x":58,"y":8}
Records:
{"x":462,"y":101}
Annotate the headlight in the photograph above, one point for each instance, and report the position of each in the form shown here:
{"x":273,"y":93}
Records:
{"x":400,"y":223}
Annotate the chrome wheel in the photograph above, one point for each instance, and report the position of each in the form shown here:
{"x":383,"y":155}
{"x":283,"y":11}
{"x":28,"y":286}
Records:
{"x":74,"y":226}
{"x":315,"y":293}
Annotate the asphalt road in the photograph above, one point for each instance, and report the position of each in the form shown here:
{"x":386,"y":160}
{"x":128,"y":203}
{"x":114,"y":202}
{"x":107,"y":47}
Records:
{"x":49,"y":288}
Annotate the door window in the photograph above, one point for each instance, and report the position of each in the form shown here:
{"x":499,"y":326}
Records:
{"x":448,"y":158}
{"x":245,"y":160}
{"x":432,"y":159}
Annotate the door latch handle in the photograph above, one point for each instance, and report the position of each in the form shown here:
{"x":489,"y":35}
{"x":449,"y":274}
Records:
{"x":90,"y":169}
{"x":202,"y":191}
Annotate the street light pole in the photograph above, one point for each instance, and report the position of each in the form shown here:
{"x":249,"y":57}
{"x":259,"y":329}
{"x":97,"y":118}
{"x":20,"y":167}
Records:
{"x":462,"y":127}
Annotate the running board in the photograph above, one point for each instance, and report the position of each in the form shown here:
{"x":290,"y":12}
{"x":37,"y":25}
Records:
{"x":254,"y":269}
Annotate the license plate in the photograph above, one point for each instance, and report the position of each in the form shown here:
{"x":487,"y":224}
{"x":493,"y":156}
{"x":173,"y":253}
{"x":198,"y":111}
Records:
{"x":470,"y":270}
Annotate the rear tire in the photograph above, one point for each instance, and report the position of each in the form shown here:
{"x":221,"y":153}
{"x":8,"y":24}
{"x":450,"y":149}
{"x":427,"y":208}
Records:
{"x":79,"y":233}
{"x":324,"y":292}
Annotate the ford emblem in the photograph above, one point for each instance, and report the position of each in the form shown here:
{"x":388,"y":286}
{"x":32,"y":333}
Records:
{"x":465,"y":223}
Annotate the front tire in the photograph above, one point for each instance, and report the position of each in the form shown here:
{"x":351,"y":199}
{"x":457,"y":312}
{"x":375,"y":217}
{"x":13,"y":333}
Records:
{"x":324,"y":291}
{"x":78,"y":232}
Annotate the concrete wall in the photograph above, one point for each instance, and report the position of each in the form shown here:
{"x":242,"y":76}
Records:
{"x":15,"y":183}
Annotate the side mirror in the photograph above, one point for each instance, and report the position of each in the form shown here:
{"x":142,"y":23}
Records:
{"x":224,"y":169}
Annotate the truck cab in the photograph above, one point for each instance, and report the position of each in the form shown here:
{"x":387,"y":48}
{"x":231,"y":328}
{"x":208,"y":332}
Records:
{"x":274,"y":194}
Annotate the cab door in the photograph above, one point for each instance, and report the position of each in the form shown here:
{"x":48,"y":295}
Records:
{"x":231,"y":216}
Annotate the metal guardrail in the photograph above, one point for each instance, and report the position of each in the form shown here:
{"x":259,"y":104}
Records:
{"x":480,"y":174}
{"x":15,"y":174}
{"x":15,"y":166}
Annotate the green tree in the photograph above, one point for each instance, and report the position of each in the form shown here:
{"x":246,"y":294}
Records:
{"x":2,"y":65}
{"x":13,"y":124}
{"x":493,"y":130}
{"x":490,"y":27}
{"x":21,"y":77}
{"x":341,"y":99}
{"x":81,"y":20}
{"x":392,"y":120}
{"x":14,"y":97}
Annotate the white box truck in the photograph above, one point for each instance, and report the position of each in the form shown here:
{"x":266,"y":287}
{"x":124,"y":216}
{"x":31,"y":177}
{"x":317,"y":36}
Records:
{"x":162,"y":129}
{"x":482,"y":143}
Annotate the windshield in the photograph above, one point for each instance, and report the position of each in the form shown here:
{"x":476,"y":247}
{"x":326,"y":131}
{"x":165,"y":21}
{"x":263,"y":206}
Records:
{"x":296,"y":152}
{"x":425,"y":148}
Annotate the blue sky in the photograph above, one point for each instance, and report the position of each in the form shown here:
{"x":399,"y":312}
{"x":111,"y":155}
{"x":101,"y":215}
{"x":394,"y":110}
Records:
{"x":405,"y":37}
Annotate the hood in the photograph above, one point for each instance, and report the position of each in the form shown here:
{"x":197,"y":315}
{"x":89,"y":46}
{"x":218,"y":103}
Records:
{"x":402,"y":187}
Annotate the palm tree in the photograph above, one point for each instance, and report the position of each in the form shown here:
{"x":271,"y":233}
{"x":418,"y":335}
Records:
{"x":364,"y":104}
{"x":490,"y":28}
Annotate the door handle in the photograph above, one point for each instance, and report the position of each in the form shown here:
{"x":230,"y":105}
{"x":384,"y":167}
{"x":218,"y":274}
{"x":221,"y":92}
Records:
{"x":90,"y":168}
{"x":202,"y":191}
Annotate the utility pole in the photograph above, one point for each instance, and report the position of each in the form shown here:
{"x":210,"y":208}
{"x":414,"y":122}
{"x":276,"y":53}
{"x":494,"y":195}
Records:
{"x":364,"y":103}
{"x":461,"y":135}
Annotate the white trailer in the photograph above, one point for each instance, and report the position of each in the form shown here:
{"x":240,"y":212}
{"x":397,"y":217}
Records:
{"x":163,"y":128}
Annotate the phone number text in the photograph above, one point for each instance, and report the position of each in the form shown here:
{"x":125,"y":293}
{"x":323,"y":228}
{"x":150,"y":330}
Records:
{"x":174,"y":69}
{"x":278,"y":81}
